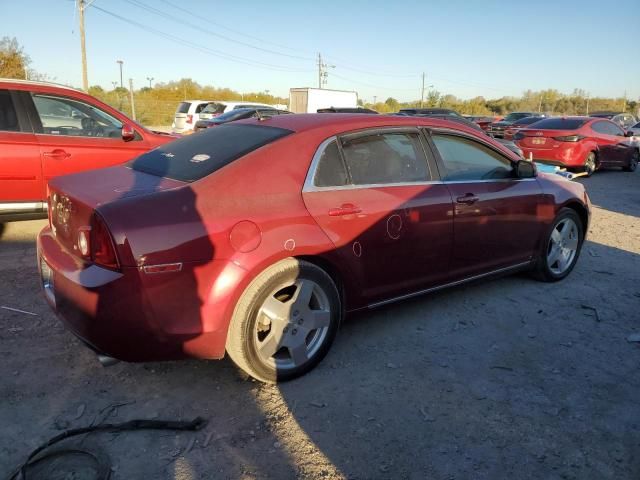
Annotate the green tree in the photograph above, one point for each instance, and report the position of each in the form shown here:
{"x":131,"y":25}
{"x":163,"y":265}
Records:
{"x":14,"y":63}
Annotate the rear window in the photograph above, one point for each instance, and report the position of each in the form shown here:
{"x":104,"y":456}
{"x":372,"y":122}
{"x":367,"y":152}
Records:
{"x":183,"y":107}
{"x":197,"y":156}
{"x":512,"y":117}
{"x":560,"y":123}
{"x":528,"y":120}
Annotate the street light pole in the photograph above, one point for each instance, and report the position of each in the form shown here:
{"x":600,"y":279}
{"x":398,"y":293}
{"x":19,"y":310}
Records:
{"x":150,"y":80}
{"x":120,"y":62}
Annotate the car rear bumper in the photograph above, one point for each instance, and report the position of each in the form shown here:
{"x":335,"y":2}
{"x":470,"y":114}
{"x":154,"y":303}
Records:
{"x":116,"y":313}
{"x":572,"y":157}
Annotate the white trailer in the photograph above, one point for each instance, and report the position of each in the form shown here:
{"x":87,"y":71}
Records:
{"x":309,"y":100}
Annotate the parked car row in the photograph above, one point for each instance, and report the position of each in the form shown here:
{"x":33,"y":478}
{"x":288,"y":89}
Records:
{"x":256,"y":237}
{"x":190,"y":112}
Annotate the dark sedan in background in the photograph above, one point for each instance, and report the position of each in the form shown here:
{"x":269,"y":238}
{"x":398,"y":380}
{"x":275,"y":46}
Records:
{"x":497,"y":129}
{"x":238,"y":114}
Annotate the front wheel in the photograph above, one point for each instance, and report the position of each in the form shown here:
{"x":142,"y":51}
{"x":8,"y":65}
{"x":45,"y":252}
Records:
{"x":590,"y":164}
{"x":633,"y":162}
{"x":285,"y":321}
{"x":561,"y":248}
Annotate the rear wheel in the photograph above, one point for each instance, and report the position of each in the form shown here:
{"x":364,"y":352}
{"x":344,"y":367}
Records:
{"x":285,"y":321}
{"x":633,"y":162}
{"x":561,"y":248}
{"x":590,"y":164}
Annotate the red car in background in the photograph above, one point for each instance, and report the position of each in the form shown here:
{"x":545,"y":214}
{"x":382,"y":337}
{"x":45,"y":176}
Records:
{"x":579,"y":143}
{"x":255,"y":237}
{"x":49,"y":130}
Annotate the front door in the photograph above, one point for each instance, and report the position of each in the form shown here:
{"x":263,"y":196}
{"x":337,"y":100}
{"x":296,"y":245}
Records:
{"x":75,"y":136}
{"x":495,"y":214}
{"x":614,"y":148}
{"x":374,"y":195}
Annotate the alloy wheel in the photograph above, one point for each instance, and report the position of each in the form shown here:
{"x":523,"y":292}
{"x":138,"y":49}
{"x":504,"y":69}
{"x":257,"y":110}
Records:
{"x":590,"y":164}
{"x":563,"y":246}
{"x":292,"y":324}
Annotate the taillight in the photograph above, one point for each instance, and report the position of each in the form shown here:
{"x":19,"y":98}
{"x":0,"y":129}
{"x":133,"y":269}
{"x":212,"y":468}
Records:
{"x":189,"y":118}
{"x":101,"y":245}
{"x":569,"y":138}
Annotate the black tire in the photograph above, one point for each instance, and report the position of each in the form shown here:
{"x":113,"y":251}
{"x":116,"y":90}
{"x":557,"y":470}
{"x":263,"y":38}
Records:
{"x":633,"y":162}
{"x":543,"y":271}
{"x":243,"y":339}
{"x":590,"y":164}
{"x":2,"y":226}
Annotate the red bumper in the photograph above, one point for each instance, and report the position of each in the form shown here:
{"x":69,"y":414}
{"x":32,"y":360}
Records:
{"x":126,"y":314}
{"x":572,"y":155}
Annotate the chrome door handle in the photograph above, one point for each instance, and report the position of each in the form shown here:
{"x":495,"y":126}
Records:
{"x":468,"y":199}
{"x":345,"y":209}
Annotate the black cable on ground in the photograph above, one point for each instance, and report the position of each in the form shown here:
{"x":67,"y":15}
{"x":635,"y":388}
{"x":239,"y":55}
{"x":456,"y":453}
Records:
{"x":192,"y":426}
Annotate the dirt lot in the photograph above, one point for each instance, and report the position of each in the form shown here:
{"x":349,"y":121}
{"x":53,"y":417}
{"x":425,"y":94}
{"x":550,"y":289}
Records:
{"x":503,"y":379}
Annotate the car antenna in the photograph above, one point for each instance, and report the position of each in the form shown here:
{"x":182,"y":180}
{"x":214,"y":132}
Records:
{"x":260,"y":117}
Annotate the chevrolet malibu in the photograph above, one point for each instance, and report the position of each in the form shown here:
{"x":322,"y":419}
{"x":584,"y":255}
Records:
{"x":257,"y":237}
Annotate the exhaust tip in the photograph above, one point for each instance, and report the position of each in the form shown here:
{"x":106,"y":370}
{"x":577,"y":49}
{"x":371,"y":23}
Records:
{"x":107,"y":361}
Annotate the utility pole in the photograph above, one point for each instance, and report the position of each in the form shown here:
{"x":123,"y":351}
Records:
{"x":83,"y":50}
{"x":587,"y":104}
{"x":133,"y":106}
{"x":120,"y":62}
{"x":375,"y":98}
{"x":322,"y":71}
{"x":150,"y":80}
{"x":422,"y":96}
{"x":624,"y":105}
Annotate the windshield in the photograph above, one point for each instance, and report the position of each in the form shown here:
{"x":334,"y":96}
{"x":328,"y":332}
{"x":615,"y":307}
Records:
{"x":197,"y":156}
{"x":560,"y":123}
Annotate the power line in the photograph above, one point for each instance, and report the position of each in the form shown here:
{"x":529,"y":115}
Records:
{"x":199,"y":28}
{"x":209,"y":51}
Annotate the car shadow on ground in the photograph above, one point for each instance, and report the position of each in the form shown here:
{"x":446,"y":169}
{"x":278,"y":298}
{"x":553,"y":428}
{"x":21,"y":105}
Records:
{"x":508,"y":378}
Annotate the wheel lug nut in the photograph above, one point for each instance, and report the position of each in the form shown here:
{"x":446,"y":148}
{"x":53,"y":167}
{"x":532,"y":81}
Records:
{"x":301,"y":321}
{"x":294,"y":331}
{"x":296,"y":313}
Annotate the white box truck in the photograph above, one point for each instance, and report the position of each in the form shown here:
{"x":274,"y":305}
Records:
{"x":309,"y":100}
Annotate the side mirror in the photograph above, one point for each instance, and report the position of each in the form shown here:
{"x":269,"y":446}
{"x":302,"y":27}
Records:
{"x":525,"y":169}
{"x":628,"y":133}
{"x":128,"y":132}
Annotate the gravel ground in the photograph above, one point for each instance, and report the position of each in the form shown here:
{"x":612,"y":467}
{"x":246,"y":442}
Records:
{"x":508,"y":378}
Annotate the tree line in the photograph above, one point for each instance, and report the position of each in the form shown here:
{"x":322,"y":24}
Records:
{"x":156,"y":104}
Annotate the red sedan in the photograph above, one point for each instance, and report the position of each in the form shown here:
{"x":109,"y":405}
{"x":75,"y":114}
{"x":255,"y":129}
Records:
{"x":256,"y":237}
{"x":579,"y":143}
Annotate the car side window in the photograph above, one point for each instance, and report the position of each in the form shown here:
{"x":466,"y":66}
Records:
{"x":8,"y":116}
{"x":465,"y":159}
{"x":616,"y":130}
{"x":65,"y":116}
{"x":201,"y":107}
{"x":330,"y":171}
{"x":601,"y":127}
{"x":385,"y":158}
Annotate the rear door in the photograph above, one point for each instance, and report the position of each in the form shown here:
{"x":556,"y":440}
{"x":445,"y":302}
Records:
{"x":20,"y":169}
{"x":74,"y":136}
{"x":495,"y":214}
{"x":380,"y":202}
{"x":613,"y":147}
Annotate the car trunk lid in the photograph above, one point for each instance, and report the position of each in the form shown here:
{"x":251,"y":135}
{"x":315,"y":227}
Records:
{"x":74,"y":199}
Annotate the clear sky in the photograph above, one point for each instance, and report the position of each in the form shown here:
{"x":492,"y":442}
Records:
{"x":466,"y":48}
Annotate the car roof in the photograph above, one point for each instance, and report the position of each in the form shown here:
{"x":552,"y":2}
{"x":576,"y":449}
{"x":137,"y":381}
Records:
{"x":335,"y":123}
{"x":16,"y":81}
